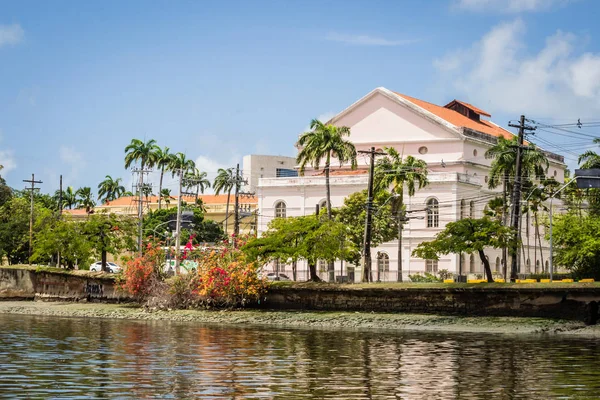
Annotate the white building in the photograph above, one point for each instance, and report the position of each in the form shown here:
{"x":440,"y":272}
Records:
{"x":452,"y":140}
{"x":260,"y":166}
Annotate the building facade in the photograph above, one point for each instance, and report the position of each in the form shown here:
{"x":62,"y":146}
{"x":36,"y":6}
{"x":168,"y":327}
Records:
{"x":452,"y":139}
{"x":256,"y":167}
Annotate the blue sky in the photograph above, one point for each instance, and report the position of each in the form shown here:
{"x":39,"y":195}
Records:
{"x":218,"y":80}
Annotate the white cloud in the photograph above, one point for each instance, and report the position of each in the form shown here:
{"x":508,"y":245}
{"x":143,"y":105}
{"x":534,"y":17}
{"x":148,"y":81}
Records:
{"x":7,"y":160}
{"x":509,"y":6}
{"x":366,"y":40}
{"x":500,"y":73}
{"x":11,"y":35}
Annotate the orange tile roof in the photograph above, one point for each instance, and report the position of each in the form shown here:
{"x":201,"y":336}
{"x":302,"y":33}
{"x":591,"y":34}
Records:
{"x":471,"y":106}
{"x":206,"y":199}
{"x":459,"y":120}
{"x":77,"y":211}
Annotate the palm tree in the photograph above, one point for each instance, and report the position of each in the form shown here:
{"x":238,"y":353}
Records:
{"x":534,"y":165}
{"x":181,"y":163}
{"x":589,"y":159}
{"x":128,"y":193}
{"x":196,"y":179}
{"x":165,"y":194}
{"x":144,"y":152}
{"x":224,"y":182}
{"x":398,"y":172}
{"x":69,"y":198}
{"x":110,"y":189}
{"x":325,"y":141}
{"x":164,"y":160}
{"x":85,"y":199}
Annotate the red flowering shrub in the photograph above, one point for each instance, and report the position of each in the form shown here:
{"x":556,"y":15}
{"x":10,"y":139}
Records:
{"x":227,"y":278}
{"x":142,"y":274}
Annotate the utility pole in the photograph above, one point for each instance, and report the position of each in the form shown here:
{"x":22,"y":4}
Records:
{"x":516,"y":197}
{"x":140,"y":200}
{"x":60,"y":197}
{"x":178,"y":226}
{"x":32,"y":189}
{"x":236,"y":215}
{"x":368,"y":225}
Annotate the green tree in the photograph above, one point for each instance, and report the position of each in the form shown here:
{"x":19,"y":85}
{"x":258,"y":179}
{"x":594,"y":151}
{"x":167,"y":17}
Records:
{"x":325,"y":141}
{"x":144,"y":152}
{"x":110,"y":189}
{"x":589,"y":159}
{"x":467,"y":236}
{"x":204,"y":231}
{"x":397,"y":172}
{"x":85,"y":199}
{"x":110,"y":233}
{"x":64,"y":239}
{"x":164,"y":161}
{"x":5,"y":192}
{"x":308,"y":237}
{"x":69,"y":198}
{"x":352,"y":215}
{"x":14,"y":227}
{"x":182,"y":163}
{"x":577,"y":244}
{"x":224,"y":182}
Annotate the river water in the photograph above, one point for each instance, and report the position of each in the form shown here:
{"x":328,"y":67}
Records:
{"x":50,"y":357}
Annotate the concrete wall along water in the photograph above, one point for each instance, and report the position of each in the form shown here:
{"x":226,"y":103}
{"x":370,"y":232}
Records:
{"x":32,"y":284}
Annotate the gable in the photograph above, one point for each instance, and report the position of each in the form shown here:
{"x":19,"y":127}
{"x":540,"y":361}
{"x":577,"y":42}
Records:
{"x":379,"y":118}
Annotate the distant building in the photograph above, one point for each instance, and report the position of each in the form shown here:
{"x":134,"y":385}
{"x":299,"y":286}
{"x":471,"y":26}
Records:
{"x":215,"y":206}
{"x":261,"y":166}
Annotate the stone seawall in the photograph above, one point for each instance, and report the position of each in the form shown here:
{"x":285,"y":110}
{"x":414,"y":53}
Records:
{"x":577,"y":303}
{"x":42,"y":284}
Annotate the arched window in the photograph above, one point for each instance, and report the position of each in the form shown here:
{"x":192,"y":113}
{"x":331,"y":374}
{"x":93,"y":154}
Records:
{"x":433,"y":213}
{"x":471,"y":209}
{"x":323,"y":205}
{"x":280,"y":210}
{"x":383,"y":262}
{"x":463,"y":209}
{"x":537,"y":266}
{"x":497,"y":264}
{"x":528,"y":266}
{"x":547,"y":267}
{"x":472,"y":264}
{"x":431,"y":266}
{"x":322,"y":266}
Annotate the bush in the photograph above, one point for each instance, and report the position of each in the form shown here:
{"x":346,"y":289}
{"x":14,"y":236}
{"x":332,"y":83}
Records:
{"x":142,"y":275}
{"x":425,"y":278}
{"x":227,"y":279}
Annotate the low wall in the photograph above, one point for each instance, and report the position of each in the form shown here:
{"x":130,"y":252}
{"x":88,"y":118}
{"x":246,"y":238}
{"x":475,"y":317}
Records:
{"x":577,"y":303}
{"x":34,"y":284}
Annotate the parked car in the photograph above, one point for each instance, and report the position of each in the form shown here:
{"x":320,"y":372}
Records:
{"x":272,"y":276}
{"x":112,"y":267}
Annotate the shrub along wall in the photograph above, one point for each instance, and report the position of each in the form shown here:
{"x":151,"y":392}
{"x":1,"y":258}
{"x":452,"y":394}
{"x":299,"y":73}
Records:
{"x":576,"y":303}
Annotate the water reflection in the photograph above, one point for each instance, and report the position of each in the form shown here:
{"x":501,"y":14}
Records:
{"x":64,"y":357}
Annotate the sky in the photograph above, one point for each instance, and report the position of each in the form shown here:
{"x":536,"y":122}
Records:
{"x":220,"y":79}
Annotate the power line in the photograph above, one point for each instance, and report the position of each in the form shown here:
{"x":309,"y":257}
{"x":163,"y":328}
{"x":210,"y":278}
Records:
{"x":32,"y":189}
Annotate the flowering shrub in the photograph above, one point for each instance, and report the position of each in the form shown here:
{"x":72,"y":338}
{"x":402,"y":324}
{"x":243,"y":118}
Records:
{"x":142,"y":274}
{"x":227,"y":278}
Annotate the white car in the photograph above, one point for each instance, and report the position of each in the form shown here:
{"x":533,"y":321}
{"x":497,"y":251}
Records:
{"x":272,"y":276}
{"x":112,"y":267}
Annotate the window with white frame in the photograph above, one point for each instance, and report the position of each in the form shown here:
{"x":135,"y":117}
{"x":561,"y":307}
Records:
{"x":280,"y":210}
{"x":433,"y":213}
{"x":431,"y":266}
{"x":471,"y":209}
{"x":463,"y":209}
{"x":383,"y":262}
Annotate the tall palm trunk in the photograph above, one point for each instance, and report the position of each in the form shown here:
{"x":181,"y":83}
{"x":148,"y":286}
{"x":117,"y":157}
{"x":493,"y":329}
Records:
{"x":486,"y":266}
{"x":504,"y":221}
{"x":327,"y":187}
{"x":227,"y":211}
{"x":197,"y":192}
{"x":162,"y":172}
{"x":537,"y":232}
{"x":400,"y":228}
